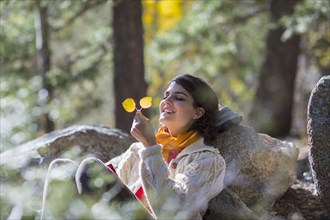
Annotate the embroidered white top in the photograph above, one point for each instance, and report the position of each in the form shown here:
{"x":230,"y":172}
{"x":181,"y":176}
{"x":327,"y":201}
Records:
{"x":180,"y":189}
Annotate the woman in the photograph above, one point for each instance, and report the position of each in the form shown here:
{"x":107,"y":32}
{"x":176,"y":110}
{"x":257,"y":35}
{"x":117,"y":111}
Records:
{"x":175,"y":173}
{"x":176,"y":162}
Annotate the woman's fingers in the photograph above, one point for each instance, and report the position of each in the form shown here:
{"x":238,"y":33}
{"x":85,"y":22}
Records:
{"x":142,"y":130}
{"x":137,"y":126}
{"x":141,"y":116}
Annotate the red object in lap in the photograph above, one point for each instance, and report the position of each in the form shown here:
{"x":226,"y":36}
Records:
{"x":139,"y":194}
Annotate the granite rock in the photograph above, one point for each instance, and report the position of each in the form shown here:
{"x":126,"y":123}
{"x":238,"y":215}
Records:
{"x":318,"y":129}
{"x":259,"y":168}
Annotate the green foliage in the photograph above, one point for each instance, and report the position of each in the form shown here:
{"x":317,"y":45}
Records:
{"x":221,"y":41}
{"x":79,"y":63}
{"x":16,"y":48}
{"x":224,"y":42}
{"x":311,"y":19}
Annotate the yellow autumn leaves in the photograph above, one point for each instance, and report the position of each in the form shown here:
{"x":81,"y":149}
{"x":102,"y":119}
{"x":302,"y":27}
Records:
{"x":130,"y":105}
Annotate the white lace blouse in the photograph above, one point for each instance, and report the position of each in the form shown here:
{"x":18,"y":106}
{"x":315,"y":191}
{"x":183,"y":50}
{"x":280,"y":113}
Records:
{"x":180,"y":189}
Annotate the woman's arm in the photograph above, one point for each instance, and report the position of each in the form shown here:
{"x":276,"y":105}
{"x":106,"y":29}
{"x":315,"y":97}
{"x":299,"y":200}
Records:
{"x":199,"y":179}
{"x":127,"y":170}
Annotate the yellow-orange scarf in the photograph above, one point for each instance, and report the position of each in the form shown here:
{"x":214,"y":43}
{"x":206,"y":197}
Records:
{"x":175,"y":144}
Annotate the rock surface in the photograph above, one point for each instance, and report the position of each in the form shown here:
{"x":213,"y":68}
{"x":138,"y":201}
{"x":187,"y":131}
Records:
{"x":259,"y":168}
{"x":228,"y":206}
{"x":99,"y":141}
{"x":318,"y":129}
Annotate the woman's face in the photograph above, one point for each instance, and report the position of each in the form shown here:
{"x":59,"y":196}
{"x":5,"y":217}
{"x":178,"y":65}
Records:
{"x":177,"y":112}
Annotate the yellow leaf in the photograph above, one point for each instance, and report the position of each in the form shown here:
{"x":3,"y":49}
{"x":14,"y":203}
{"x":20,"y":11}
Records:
{"x":129,"y":105}
{"x":146,"y":102}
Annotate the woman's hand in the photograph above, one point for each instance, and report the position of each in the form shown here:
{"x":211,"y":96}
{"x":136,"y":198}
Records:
{"x":142,"y":130}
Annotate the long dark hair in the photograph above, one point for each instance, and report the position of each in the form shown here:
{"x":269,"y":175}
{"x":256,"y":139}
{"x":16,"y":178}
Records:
{"x":205,"y":97}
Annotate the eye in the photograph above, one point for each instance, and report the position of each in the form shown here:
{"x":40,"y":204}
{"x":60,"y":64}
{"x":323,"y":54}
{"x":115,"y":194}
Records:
{"x":179,"y":98}
{"x":165,"y":95}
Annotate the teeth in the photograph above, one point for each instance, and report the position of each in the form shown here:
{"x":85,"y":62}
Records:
{"x":167,"y":111}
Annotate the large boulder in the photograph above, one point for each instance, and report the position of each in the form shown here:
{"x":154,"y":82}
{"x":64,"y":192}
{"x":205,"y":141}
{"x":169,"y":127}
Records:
{"x":318,"y":129}
{"x":98,"y":141}
{"x":259,"y":168}
{"x":227,"y":205}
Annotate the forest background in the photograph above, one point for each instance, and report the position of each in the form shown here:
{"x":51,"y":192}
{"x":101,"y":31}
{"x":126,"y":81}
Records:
{"x":74,"y":61}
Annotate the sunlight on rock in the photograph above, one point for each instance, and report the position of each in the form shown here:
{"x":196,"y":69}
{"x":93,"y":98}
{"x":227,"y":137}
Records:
{"x":288,"y":148}
{"x":72,"y":153}
{"x":295,"y":215}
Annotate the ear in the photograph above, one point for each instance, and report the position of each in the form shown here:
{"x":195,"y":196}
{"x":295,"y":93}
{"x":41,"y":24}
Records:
{"x":199,"y":112}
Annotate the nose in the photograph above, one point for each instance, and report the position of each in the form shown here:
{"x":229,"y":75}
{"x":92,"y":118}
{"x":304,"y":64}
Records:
{"x":168,"y":99}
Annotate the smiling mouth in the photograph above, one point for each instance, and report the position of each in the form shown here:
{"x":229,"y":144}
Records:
{"x":168,"y":112}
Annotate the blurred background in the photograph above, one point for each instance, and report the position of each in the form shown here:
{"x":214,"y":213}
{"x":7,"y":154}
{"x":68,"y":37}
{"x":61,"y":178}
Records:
{"x":69,"y":62}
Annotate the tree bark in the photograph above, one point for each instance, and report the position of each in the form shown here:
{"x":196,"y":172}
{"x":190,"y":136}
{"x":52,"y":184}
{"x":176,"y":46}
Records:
{"x":273,"y":102}
{"x":44,"y":61}
{"x":128,"y":58}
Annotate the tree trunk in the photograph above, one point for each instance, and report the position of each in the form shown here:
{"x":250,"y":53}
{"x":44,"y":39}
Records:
{"x":272,"y":108}
{"x":43,"y":61}
{"x":128,"y":58}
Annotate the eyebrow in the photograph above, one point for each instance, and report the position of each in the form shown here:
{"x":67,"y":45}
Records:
{"x":176,"y":92}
